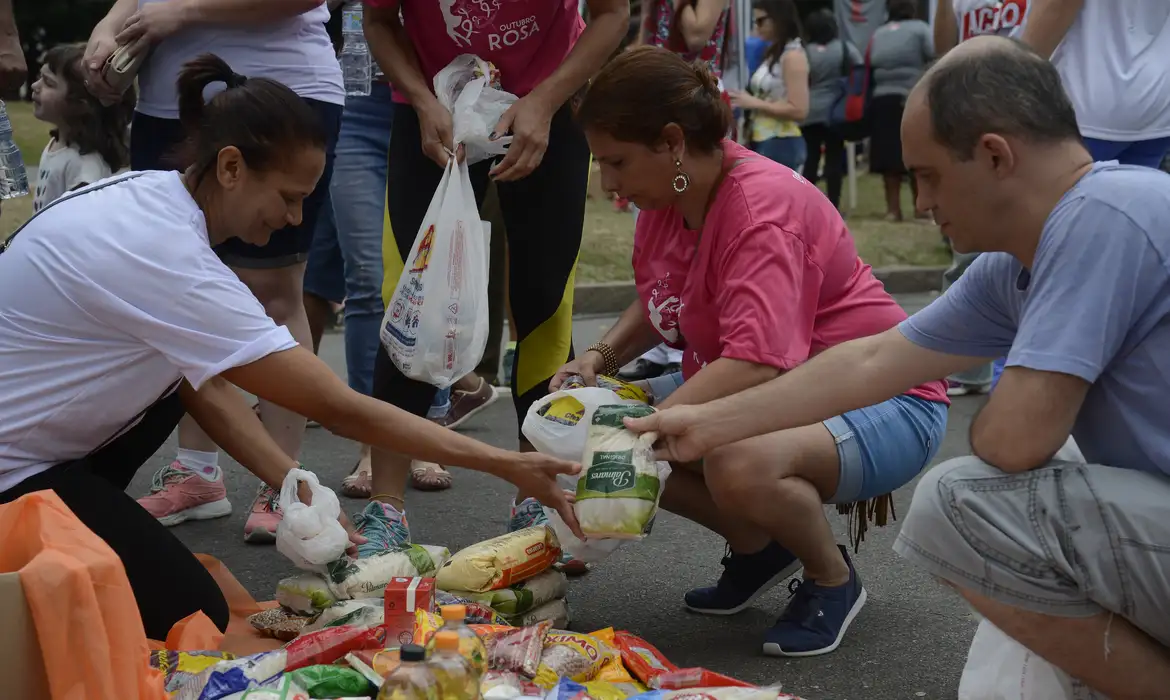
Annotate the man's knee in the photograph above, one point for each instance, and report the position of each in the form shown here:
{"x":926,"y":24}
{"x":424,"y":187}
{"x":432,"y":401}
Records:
{"x":934,"y":494}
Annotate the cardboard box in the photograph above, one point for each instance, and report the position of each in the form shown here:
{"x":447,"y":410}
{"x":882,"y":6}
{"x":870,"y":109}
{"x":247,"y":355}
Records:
{"x":21,"y":666}
{"x":403,"y":597}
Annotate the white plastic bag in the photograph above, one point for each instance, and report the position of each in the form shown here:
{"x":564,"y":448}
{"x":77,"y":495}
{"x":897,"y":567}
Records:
{"x":309,"y":535}
{"x":464,"y":87}
{"x":558,"y":424}
{"x":1000,"y":668}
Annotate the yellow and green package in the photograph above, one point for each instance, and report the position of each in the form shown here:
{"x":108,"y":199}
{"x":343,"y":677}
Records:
{"x":330,"y":681}
{"x":624,"y":390}
{"x":305,"y":594}
{"x":367,"y":578}
{"x":425,"y":625}
{"x":519,"y":598}
{"x":180,"y":667}
{"x":501,"y":561}
{"x":577,"y":657}
{"x":607,"y":690}
{"x":614,"y":671}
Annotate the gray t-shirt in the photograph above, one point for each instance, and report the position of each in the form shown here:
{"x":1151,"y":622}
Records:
{"x":1096,"y":305}
{"x":899,"y":56}
{"x":824,"y":77}
{"x":857,"y":20}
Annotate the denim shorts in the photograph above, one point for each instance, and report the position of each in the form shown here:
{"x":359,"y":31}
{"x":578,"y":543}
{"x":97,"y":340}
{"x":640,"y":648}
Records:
{"x":884,"y":446}
{"x":785,"y":150}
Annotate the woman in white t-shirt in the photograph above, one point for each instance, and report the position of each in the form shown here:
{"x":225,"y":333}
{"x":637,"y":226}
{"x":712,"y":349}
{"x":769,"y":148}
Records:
{"x":118,"y":317}
{"x":287,"y":42}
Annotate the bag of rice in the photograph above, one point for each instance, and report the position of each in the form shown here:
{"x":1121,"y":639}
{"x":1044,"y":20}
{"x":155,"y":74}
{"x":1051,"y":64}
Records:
{"x":366,"y":612}
{"x":307,"y":594}
{"x":619,"y":488}
{"x":554,"y":611}
{"x":500,"y":561}
{"x":367,"y":578}
{"x":521,"y":597}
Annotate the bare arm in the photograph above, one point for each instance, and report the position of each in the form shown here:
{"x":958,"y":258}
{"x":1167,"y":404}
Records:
{"x":946,"y":27}
{"x":395,"y":54}
{"x":609,"y":20}
{"x":13,"y":67}
{"x":697,"y":21}
{"x":1048,"y":22}
{"x":1027,"y":419}
{"x":632,"y":335}
{"x":794,"y":67}
{"x":721,"y":378}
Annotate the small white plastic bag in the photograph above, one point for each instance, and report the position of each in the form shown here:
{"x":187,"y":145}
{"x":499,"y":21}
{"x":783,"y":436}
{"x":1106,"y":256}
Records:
{"x":465,"y":88}
{"x":310,"y":535}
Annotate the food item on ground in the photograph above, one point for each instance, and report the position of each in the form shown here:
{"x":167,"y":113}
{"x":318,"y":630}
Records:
{"x":366,"y":612}
{"x":554,"y":611}
{"x":477,"y":613}
{"x":521,"y":597}
{"x":457,"y":679}
{"x":412,"y":680}
{"x":228,"y":678}
{"x":641,"y":658}
{"x":565,"y":689}
{"x":330,"y":644}
{"x":305,"y":594}
{"x":330,"y":681}
{"x":695,"y":678}
{"x":570,"y":655}
{"x":717,"y":694}
{"x":367,"y":578}
{"x":517,"y":649}
{"x":470,"y":645}
{"x":181,"y":667}
{"x":374,"y":664}
{"x":284,"y":688}
{"x":625,"y":390}
{"x":606,"y":690}
{"x":278,"y":623}
{"x":403,"y":597}
{"x":614,"y":671}
{"x":619,"y":488}
{"x":500,"y":561}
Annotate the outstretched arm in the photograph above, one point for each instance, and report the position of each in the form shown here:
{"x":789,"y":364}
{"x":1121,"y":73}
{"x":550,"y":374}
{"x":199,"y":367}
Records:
{"x":1048,"y":22}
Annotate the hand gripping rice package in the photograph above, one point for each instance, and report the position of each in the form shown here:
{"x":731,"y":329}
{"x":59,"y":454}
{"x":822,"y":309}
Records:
{"x":619,"y":488}
{"x":367,"y":578}
{"x":501,"y":561}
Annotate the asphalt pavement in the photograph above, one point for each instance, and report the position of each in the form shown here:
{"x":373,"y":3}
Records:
{"x":910,"y":640}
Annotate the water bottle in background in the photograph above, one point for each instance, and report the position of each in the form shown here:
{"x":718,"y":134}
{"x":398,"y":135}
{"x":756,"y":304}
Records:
{"x":356,"y":65}
{"x":13,"y":176}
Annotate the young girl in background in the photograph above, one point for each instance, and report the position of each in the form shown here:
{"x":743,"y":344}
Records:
{"x":89,"y":141}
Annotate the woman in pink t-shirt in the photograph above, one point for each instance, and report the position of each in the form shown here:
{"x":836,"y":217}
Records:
{"x":749,"y":268}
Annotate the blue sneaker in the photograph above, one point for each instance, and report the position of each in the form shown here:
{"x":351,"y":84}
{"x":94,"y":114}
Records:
{"x":384,"y":527}
{"x":816,"y":617}
{"x":745,"y":578}
{"x":529,"y":513}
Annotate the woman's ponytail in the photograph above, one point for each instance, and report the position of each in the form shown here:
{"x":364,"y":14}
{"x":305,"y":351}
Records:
{"x":194,"y":78}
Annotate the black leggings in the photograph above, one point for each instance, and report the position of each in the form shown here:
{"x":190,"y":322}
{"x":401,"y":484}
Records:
{"x":814,"y":136}
{"x":543,"y":215}
{"x":169,"y":582}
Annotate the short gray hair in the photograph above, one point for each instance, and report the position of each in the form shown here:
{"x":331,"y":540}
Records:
{"x":1007,"y":89}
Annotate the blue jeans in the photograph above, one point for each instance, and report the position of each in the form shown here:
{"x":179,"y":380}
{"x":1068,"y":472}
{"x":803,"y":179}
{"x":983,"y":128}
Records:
{"x":788,"y":150}
{"x":884,"y":446}
{"x":345,"y":261}
{"x":1148,"y":153}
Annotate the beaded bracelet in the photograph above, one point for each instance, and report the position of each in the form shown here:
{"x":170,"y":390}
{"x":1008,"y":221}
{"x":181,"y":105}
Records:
{"x":608,"y":356}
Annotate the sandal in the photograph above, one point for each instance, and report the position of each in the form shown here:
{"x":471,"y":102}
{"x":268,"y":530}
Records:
{"x":428,"y":476}
{"x":360,"y":482}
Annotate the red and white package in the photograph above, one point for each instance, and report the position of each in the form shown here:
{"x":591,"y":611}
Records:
{"x":642,"y":659}
{"x":517,"y":649}
{"x":684,"y":678}
{"x":330,"y":644}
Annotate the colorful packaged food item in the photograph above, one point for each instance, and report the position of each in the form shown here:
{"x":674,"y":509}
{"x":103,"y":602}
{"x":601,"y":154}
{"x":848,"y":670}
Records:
{"x":565,"y":689}
{"x":521,"y":597}
{"x":614,"y":671}
{"x":367,"y":578}
{"x":228,"y":678}
{"x":554,"y":611}
{"x":278,"y":623}
{"x":517,"y":649}
{"x":305,"y":594}
{"x":367,"y":612}
{"x":181,"y":667}
{"x":284,"y":688}
{"x":625,"y":390}
{"x":684,"y":678}
{"x":731,"y":693}
{"x":642,"y":658}
{"x":330,"y":681}
{"x":374,"y":664}
{"x":403,"y":597}
{"x":500,"y":561}
{"x":330,"y":644}
{"x":606,"y":690}
{"x":570,"y":655}
{"x":477,"y":613}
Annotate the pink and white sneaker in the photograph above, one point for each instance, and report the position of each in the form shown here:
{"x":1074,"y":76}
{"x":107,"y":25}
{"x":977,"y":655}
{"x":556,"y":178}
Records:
{"x":265,"y":516}
{"x":178,"y":494}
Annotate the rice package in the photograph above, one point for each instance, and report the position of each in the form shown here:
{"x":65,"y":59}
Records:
{"x":554,"y":611}
{"x":519,"y":598}
{"x":181,"y":667}
{"x":366,"y":612}
{"x":619,"y":487}
{"x":501,"y":561}
{"x":307,"y":594}
{"x":367,"y":578}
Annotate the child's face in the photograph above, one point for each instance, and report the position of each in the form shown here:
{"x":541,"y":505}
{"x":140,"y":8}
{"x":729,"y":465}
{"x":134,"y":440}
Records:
{"x":48,"y":94}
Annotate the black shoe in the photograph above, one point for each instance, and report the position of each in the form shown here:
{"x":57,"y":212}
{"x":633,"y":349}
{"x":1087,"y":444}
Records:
{"x":745,"y":578}
{"x":641,"y":369}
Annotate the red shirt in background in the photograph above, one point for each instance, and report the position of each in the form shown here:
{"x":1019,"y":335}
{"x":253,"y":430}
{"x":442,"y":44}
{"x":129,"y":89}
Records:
{"x":773,"y":278}
{"x":525,"y":39}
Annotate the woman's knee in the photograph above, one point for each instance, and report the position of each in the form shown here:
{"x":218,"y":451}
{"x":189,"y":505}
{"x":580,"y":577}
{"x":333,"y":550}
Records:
{"x":736,"y":475}
{"x":279,"y":290}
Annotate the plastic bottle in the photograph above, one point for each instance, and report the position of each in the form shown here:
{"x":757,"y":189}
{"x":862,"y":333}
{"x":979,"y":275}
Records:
{"x":457,"y":680}
{"x":412,"y":680}
{"x":13,"y":176}
{"x":356,"y":66}
{"x":470,"y":645}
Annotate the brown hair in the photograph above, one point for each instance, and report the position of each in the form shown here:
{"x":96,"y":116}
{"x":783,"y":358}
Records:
{"x":92,"y":126}
{"x":638,"y":93}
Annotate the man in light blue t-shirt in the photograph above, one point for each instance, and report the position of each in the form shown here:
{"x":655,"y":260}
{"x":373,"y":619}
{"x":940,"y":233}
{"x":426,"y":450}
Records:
{"x":1068,"y":555}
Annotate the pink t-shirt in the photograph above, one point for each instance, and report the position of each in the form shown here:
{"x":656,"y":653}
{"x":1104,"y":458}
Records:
{"x":773,"y":278}
{"x":525,"y":39}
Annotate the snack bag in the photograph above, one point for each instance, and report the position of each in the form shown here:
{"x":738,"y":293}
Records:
{"x":554,"y":611}
{"x":230,"y":677}
{"x":518,"y":649}
{"x":606,"y":690}
{"x":524,"y":596}
{"x":619,"y":488}
{"x":284,"y":688}
{"x":684,"y":678}
{"x":425,"y":625}
{"x":506,"y":685}
{"x":367,"y":578}
{"x":278,"y":623}
{"x":500,"y":561}
{"x":181,"y":667}
{"x":572,"y":656}
{"x":614,"y":671}
{"x":367,"y":612}
{"x":565,"y":689}
{"x":642,"y":659}
{"x":328,"y":645}
{"x":477,"y":613}
{"x":306,"y":594}
{"x":330,"y":681}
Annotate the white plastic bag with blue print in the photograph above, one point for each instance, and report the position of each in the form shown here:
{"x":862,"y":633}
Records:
{"x":469,"y":88}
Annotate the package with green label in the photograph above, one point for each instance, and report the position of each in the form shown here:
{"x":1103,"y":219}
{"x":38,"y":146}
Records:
{"x":619,"y":488}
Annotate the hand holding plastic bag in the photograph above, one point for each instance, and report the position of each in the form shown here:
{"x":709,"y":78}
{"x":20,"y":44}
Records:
{"x":310,"y":534}
{"x":465,"y":88}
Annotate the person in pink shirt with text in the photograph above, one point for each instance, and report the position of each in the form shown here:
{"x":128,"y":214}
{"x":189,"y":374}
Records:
{"x":748,"y":267}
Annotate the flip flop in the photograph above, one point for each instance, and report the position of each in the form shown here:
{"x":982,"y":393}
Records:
{"x":360,"y":482}
{"x":428,"y":476}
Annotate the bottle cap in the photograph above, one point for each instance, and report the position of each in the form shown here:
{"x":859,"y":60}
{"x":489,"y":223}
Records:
{"x":412,"y":652}
{"x":447,"y":641}
{"x":454,"y":612}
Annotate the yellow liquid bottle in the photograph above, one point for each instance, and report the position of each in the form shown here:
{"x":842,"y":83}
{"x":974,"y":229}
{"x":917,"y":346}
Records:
{"x":412,"y":680}
{"x":457,"y":680}
{"x":470,"y":645}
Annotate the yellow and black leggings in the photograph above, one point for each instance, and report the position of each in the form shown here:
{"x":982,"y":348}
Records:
{"x":543,"y":215}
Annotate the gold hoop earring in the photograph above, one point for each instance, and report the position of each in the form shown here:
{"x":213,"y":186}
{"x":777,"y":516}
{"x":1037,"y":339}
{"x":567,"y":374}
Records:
{"x":681,"y":181}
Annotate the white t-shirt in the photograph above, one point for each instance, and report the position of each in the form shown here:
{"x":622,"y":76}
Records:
{"x":111,"y":294}
{"x":64,"y":169}
{"x":1115,"y":65}
{"x":295,"y":51}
